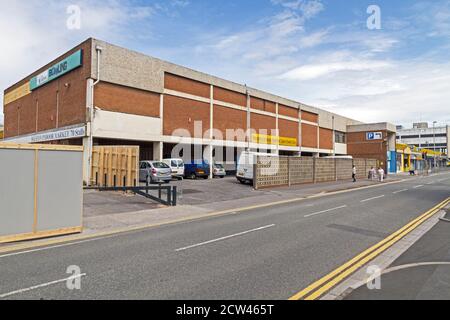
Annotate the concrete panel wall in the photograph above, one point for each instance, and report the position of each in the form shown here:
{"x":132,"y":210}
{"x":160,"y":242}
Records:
{"x":301,"y":170}
{"x":344,"y":169}
{"x":271,"y":171}
{"x":286,"y":171}
{"x":325,"y":170}
{"x":114,"y":125}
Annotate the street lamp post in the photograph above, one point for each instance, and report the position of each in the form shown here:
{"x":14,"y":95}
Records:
{"x":434,"y":143}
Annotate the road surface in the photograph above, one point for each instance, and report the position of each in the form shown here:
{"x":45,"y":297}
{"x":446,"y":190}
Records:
{"x":269,"y":253}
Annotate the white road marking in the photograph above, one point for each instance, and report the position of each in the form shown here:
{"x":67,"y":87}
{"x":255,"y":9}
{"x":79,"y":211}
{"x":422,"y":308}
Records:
{"x":4,"y":295}
{"x":430,"y":183}
{"x":224,"y":238}
{"x":365,"y":200}
{"x":419,"y":186}
{"x":324,"y":211}
{"x":399,"y":191}
{"x":53,"y":247}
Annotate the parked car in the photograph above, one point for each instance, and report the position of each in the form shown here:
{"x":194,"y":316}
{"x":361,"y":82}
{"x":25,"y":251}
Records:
{"x":219,"y":170}
{"x":177,"y":167}
{"x":244,"y":173}
{"x":196,"y":170}
{"x":154,"y":172}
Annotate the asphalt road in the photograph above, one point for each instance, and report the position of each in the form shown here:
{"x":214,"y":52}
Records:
{"x":269,"y":253}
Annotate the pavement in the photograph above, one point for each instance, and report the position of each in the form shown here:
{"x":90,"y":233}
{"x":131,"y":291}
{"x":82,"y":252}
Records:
{"x":106,"y":211}
{"x":420,"y":273}
{"x":264,"y":252}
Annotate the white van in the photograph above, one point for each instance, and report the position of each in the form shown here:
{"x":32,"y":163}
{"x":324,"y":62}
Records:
{"x":244,"y":172}
{"x":177,"y":167}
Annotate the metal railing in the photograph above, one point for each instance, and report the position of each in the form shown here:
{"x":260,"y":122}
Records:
{"x":170,"y":198}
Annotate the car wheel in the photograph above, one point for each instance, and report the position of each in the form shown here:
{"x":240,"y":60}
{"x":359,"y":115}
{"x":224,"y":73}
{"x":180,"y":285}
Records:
{"x":192,"y":176}
{"x":221,"y":177}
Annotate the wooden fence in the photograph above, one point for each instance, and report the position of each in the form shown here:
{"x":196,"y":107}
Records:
{"x":115,"y":166}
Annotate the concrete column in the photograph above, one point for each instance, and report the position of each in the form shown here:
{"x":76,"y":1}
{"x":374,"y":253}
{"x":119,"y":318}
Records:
{"x":208,"y":153}
{"x":210,"y":147}
{"x":158,"y":151}
{"x":86,"y":160}
{"x":300,"y":130}
{"x":89,"y":140}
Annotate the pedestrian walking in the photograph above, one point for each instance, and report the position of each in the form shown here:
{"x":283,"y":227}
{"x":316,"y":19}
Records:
{"x":372,"y":173}
{"x":381,"y":174}
{"x":354,"y":173}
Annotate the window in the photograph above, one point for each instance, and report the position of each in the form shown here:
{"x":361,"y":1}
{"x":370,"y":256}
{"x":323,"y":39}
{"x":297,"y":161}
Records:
{"x":340,"y":137}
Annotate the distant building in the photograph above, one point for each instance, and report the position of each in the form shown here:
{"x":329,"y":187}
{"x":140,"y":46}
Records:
{"x":423,"y":136}
{"x":420,"y":125}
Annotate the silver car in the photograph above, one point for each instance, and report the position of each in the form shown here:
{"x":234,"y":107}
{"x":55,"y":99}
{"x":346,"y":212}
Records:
{"x":219,"y":171}
{"x":154,"y":172}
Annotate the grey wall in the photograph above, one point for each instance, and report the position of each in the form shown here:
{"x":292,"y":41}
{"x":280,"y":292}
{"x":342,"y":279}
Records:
{"x":16,"y":191}
{"x":59,"y":197}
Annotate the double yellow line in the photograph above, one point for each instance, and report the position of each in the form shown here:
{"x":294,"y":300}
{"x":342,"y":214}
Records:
{"x":323,"y":285}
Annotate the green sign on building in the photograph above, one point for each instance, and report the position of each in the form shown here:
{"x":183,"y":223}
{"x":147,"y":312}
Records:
{"x":56,"y":71}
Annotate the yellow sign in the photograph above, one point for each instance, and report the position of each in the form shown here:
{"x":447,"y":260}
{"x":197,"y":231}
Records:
{"x":275,"y":140}
{"x":17,"y":93}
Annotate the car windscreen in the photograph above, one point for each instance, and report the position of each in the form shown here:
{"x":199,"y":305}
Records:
{"x":160,"y":165}
{"x":218,"y":166}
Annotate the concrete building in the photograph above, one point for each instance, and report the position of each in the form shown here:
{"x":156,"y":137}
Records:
{"x":423,"y":136}
{"x":102,"y":94}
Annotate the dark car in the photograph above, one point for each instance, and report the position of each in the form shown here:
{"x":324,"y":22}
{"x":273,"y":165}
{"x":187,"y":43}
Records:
{"x":196,"y":170}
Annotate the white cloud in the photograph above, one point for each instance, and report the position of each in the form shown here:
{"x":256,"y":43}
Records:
{"x":314,"y":71}
{"x":313,"y":39}
{"x":34,"y":32}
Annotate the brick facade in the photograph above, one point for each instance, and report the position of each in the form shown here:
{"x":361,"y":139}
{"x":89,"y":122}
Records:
{"x":359,"y":147}
{"x":326,"y":139}
{"x":59,"y":103}
{"x":309,"y":136}
{"x":181,"y":84}
{"x":183,"y":113}
{"x":115,"y":98}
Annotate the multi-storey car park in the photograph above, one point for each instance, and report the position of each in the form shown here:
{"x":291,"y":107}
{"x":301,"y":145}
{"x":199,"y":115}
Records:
{"x":423,"y":136}
{"x":102,"y":94}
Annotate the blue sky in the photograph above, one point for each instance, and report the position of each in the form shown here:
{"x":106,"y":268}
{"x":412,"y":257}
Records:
{"x":317,"y":52}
